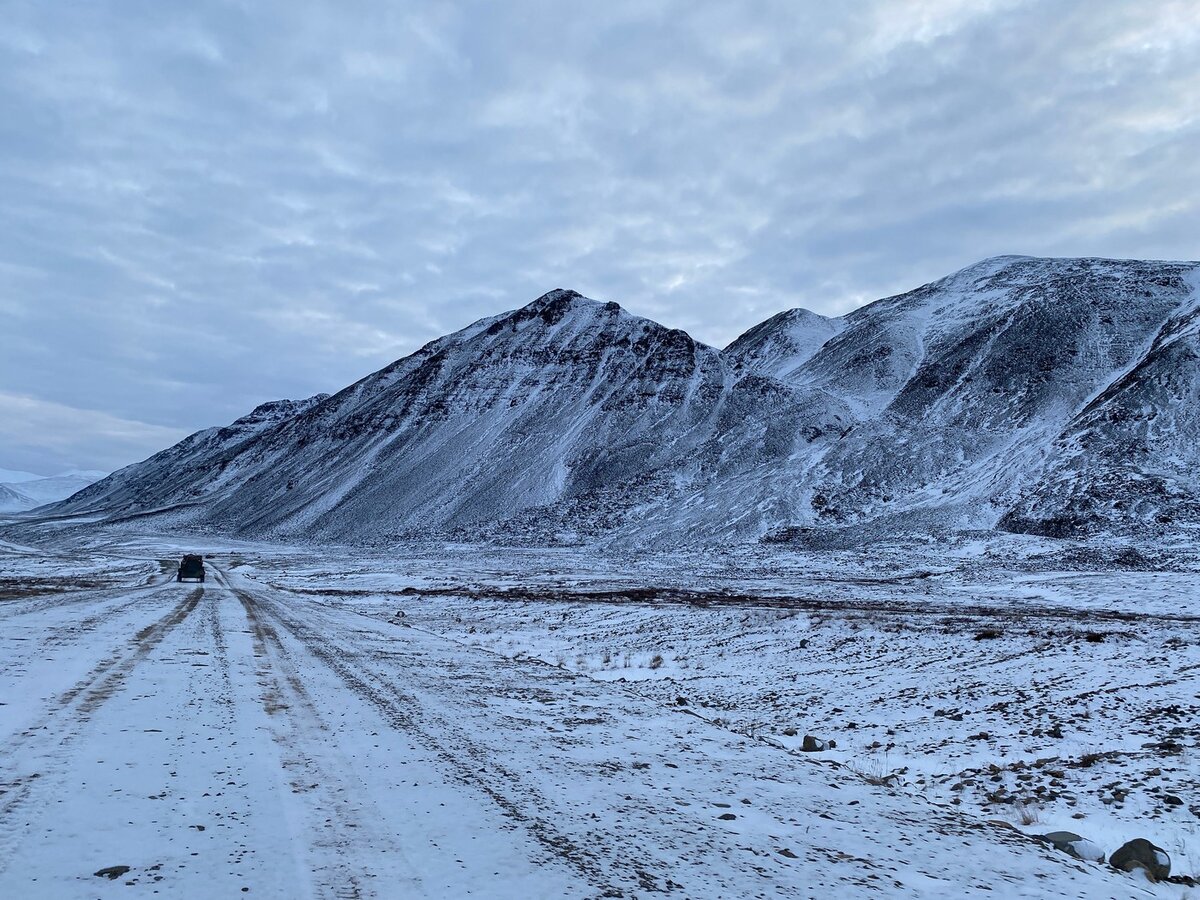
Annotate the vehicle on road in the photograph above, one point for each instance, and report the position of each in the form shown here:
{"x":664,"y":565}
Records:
{"x":191,"y":568}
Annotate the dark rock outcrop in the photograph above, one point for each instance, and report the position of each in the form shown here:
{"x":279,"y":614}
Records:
{"x":1141,"y":854}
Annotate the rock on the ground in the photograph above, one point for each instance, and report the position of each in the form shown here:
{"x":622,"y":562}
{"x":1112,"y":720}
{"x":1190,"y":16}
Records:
{"x":112,"y":873}
{"x":1141,"y":854}
{"x":1073,"y":844}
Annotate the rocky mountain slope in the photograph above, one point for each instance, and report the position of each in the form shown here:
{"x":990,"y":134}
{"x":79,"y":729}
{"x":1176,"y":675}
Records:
{"x":1047,"y":396}
{"x":189,"y":472}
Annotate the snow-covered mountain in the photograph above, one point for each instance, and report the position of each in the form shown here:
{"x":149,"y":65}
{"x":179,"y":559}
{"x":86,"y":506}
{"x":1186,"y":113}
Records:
{"x":564,"y":397}
{"x":20,"y":491}
{"x":12,"y":476}
{"x":1050,"y":396}
{"x":12,"y":500}
{"x":194,"y":469}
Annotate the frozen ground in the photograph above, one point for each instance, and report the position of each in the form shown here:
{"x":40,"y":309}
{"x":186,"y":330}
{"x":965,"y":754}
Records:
{"x":505,"y":723}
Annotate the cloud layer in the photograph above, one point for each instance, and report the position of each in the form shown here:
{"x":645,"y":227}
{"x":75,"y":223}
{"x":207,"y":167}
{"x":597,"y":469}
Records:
{"x":211,"y":205}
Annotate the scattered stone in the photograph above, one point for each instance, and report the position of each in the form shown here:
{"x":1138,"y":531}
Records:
{"x":727,"y":817}
{"x":112,"y":873}
{"x":1168,"y":747}
{"x":1141,"y":854}
{"x":813,"y":745}
{"x":1073,"y":845}
{"x":1172,"y":800}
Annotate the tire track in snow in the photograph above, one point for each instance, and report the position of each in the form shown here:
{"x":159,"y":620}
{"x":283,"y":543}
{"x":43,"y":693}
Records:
{"x":50,"y":599}
{"x":67,"y":717}
{"x":104,"y":678}
{"x":76,"y":630}
{"x":469,"y":761}
{"x":351,"y":819}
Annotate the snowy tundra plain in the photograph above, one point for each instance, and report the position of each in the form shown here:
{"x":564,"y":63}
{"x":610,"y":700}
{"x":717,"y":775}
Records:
{"x":458,"y":721}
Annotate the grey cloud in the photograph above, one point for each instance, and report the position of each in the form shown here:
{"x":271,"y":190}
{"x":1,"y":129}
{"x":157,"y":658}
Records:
{"x":212,"y":207}
{"x":49,"y":437}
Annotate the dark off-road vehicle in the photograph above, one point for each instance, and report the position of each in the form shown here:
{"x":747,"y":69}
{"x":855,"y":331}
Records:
{"x":191,"y":568}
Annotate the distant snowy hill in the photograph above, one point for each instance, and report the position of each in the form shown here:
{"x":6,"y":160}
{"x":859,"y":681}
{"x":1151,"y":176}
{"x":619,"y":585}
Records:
{"x":1048,"y":396}
{"x":12,"y":500}
{"x":10,"y":476}
{"x":27,"y":491}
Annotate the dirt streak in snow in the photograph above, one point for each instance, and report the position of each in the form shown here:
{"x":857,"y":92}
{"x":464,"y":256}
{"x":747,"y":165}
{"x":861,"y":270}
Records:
{"x":68,"y":714}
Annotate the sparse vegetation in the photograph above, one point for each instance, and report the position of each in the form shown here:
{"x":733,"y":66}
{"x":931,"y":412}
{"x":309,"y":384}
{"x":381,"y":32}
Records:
{"x":874,"y":769}
{"x":1088,"y":760}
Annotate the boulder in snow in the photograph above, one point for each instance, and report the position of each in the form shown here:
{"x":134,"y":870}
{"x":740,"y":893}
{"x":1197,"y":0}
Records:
{"x":1073,"y":844}
{"x":1141,"y":854}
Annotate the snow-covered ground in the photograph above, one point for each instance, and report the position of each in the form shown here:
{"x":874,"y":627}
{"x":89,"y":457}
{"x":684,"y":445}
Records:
{"x":504,"y":723}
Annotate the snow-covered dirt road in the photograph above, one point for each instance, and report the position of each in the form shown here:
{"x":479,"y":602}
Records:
{"x":234,"y":738}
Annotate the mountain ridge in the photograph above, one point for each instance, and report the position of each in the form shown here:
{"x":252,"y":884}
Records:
{"x":944,"y":408}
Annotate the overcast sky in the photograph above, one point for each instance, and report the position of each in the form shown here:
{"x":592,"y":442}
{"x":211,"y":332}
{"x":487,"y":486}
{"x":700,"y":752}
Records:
{"x":212,"y":204}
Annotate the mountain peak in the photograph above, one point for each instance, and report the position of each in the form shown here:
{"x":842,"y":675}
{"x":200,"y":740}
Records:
{"x":783,"y":343}
{"x":1036,"y":268}
{"x":1003,"y":259}
{"x":554,"y":306}
{"x":558,"y":295}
